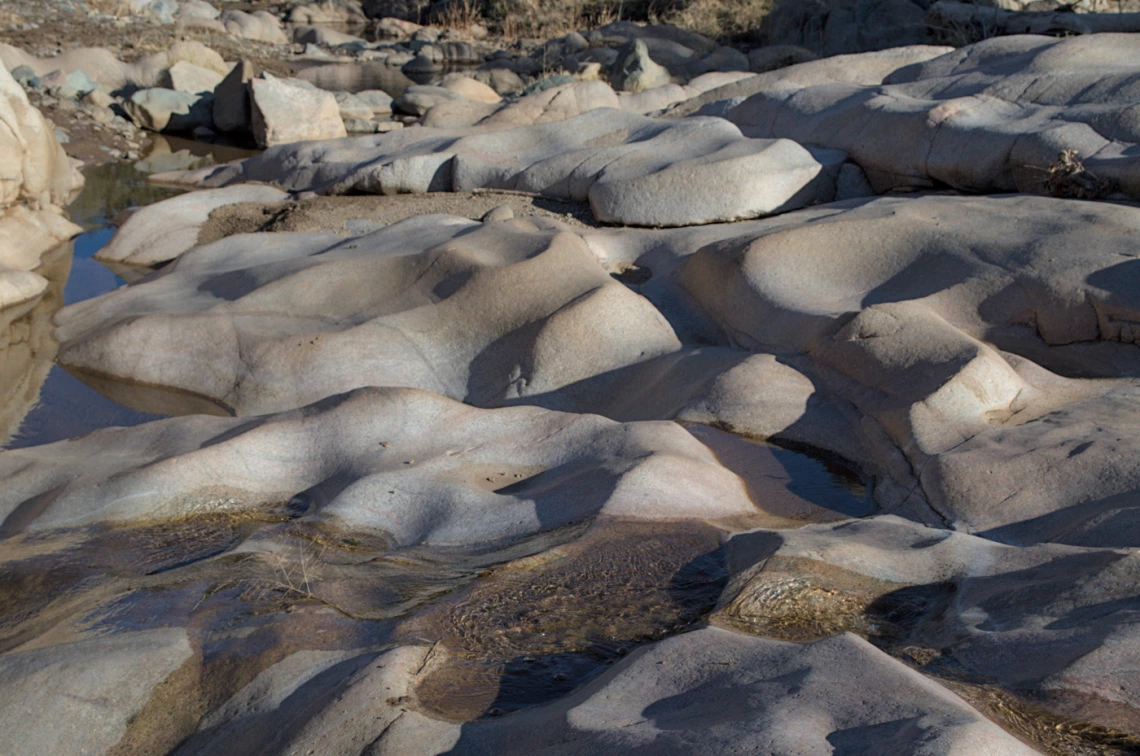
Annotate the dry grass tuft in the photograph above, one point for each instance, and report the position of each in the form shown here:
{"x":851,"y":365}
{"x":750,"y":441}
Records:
{"x":1068,"y":178}
{"x":723,"y":20}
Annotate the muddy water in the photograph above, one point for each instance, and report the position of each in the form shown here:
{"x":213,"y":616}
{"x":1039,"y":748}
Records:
{"x":47,"y":403}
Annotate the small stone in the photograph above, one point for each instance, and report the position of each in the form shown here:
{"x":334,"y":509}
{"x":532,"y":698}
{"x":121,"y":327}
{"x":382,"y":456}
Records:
{"x":498,"y":213}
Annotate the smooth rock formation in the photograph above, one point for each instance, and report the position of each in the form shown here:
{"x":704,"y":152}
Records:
{"x":503,"y":307}
{"x":1018,"y":616}
{"x":399,"y":464}
{"x":288,"y":110}
{"x":633,"y":170}
{"x":161,"y":232}
{"x":716,"y":691}
{"x":36,"y":179}
{"x":89,"y":689}
{"x":990,"y":117}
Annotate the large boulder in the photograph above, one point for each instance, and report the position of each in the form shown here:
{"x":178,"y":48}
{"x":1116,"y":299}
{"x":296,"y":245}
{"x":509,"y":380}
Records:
{"x":290,"y":110}
{"x":231,"y":111}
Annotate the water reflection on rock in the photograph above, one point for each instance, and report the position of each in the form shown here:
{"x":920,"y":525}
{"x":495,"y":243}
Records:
{"x":358,"y":77}
{"x":170,"y":153}
{"x":27,"y":347}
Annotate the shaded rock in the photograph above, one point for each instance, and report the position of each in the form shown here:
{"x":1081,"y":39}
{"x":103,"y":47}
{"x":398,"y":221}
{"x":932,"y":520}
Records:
{"x":404,"y":10}
{"x":23,"y":75}
{"x":990,"y":117}
{"x":635,"y":71}
{"x":401,"y":454}
{"x":288,"y":110}
{"x":633,"y":170}
{"x":841,"y":27}
{"x":231,"y":111}
{"x":763,"y":59}
{"x":868,"y":69}
{"x":502,"y":80}
{"x":160,"y":109}
{"x":753,"y":685}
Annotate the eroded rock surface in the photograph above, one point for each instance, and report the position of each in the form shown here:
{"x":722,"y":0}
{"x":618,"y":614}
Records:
{"x":989,"y":117}
{"x":36,"y":179}
{"x":634,"y":170}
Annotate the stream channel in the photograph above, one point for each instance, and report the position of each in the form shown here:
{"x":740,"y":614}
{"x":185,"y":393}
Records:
{"x":585,"y":597}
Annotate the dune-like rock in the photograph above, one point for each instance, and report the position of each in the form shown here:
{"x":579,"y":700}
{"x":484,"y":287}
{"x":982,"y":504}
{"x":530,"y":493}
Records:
{"x":989,"y":117}
{"x":504,"y":309}
{"x":401,"y":464}
{"x":867,"y":69}
{"x":633,"y":170}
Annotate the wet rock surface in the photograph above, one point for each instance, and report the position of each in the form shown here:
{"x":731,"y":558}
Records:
{"x":610,"y":391}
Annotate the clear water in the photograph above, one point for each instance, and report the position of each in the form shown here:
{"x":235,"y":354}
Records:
{"x":66,"y":407}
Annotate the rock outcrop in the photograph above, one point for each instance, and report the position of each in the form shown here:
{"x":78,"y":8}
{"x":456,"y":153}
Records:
{"x":36,"y":180}
{"x":990,"y":117}
{"x":633,"y":170}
